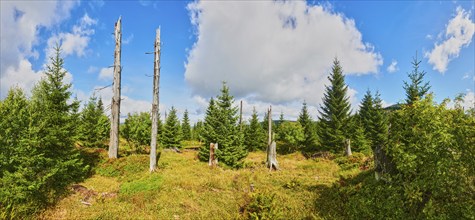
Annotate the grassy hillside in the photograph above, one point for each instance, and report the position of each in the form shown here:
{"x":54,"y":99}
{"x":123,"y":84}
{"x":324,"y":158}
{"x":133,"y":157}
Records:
{"x":184,"y":188}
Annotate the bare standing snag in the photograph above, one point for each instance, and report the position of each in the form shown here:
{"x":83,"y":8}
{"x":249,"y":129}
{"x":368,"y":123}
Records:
{"x":271,"y":146}
{"x":156,"y":80}
{"x":115,"y":106}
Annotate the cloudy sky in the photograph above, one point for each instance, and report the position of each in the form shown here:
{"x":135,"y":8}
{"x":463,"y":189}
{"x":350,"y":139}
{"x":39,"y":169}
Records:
{"x":275,"y":53}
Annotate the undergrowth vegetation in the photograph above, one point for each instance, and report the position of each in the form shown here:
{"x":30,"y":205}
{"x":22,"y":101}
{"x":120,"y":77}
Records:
{"x":185,"y":188}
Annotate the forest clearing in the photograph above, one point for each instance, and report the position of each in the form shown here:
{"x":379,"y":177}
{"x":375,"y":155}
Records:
{"x":184,"y":188}
{"x":285,"y":116}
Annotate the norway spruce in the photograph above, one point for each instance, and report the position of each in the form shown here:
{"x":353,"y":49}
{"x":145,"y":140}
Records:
{"x":306,"y":121}
{"x":254,"y":137}
{"x":221,"y":126}
{"x":416,"y":89}
{"x":44,"y":156}
{"x":335,"y":111}
{"x":94,"y":126}
{"x":366,"y":111}
{"x":208,"y":133}
{"x":186,"y":127}
{"x":172,"y":134}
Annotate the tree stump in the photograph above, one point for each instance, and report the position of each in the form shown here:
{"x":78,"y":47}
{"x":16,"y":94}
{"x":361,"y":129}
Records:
{"x":213,"y":160}
{"x":272,"y":157}
{"x":348,"y":147}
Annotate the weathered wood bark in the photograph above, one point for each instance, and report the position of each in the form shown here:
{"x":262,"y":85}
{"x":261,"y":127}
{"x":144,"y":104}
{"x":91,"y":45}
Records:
{"x":269,"y":117}
{"x":272,"y":157}
{"x":348,"y":147}
{"x":240,"y":117}
{"x":271,"y":147}
{"x":115,"y":106}
{"x":213,"y":160}
{"x":155,"y":110}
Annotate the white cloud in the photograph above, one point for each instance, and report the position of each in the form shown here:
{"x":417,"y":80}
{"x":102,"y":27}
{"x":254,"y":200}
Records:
{"x":466,"y":102}
{"x":386,"y":104}
{"x":20,"y":22}
{"x":127,"y":105}
{"x":392,"y":67}
{"x":128,"y":39}
{"x":469,"y":100}
{"x":458,"y":34}
{"x":22,"y":76}
{"x":74,"y":42}
{"x":92,"y":69}
{"x":106,"y":73}
{"x":272,"y":51}
{"x":291,"y":110}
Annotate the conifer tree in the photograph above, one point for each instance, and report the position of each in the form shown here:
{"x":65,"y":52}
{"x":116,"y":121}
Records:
{"x":366,"y":111}
{"x":416,"y":89}
{"x":359,"y":141}
{"x":185,"y":127}
{"x":197,"y":131}
{"x":335,"y":111}
{"x":159,"y":129}
{"x":92,"y":129}
{"x":379,"y":124}
{"x":208,"y":133}
{"x":172,"y":135}
{"x":47,"y":158}
{"x":13,"y":129}
{"x":231,"y":150}
{"x":136,"y":129}
{"x":221,"y":125}
{"x":305,"y":120}
{"x":281,"y":118}
{"x":52,"y":112}
{"x":254,"y":137}
{"x":103,"y":127}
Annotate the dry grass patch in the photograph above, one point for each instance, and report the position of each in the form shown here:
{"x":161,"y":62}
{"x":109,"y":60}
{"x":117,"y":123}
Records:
{"x":186,"y":188}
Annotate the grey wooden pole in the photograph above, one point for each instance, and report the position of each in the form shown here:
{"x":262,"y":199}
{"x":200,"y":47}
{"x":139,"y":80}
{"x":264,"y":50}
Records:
{"x":115,"y":117}
{"x":155,"y":110}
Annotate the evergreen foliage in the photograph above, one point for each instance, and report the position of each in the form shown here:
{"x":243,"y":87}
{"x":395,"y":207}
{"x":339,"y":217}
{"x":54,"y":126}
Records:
{"x":221,"y":126}
{"x":416,"y":89}
{"x":254,"y":136}
{"x":281,"y":118}
{"x":374,"y":120}
{"x":335,"y":111}
{"x":185,"y":126}
{"x":208,"y":133}
{"x":137,"y":129}
{"x":433,"y":148}
{"x":197,"y":131}
{"x":172,"y":133}
{"x":37,"y":137}
{"x":290,"y":136}
{"x":309,"y":142}
{"x":378,"y":124}
{"x":366,"y":112}
{"x":359,"y":141}
{"x":94,"y":125}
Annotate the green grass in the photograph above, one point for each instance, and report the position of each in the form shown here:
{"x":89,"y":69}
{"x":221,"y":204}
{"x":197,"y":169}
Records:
{"x":186,"y":188}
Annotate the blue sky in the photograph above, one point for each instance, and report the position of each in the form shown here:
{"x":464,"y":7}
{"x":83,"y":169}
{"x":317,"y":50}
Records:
{"x":275,"y":53}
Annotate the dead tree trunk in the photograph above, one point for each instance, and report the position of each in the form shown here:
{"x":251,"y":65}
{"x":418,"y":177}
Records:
{"x":155,"y":110}
{"x":269,"y":119}
{"x":213,"y":160}
{"x":115,"y":106}
{"x":240,"y":117}
{"x":271,"y":147}
{"x":348,"y":147}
